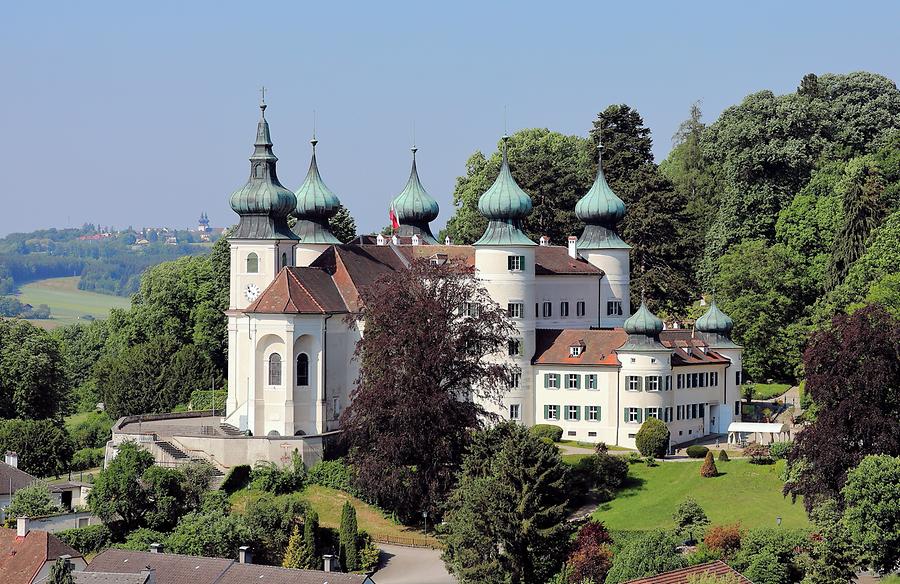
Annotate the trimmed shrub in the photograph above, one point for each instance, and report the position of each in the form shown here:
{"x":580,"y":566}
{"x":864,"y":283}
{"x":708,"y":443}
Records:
{"x":723,"y":456}
{"x":724,"y":539}
{"x":780,"y":450}
{"x":236,"y":479}
{"x":87,"y":540}
{"x":548,"y":431}
{"x":87,"y":458}
{"x":758,"y":453}
{"x":709,"y":470}
{"x":335,"y":474}
{"x":697,"y":451}
{"x":653,"y":438}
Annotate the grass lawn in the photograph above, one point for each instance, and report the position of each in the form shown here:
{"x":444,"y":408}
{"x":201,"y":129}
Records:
{"x":748,"y":493}
{"x":328,"y":504}
{"x":764,"y":391}
{"x":67,"y":303}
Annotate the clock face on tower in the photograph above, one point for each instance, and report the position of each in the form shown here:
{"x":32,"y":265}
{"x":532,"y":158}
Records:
{"x":252,"y":292}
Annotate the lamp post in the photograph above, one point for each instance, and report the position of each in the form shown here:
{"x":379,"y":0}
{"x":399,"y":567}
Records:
{"x":425,"y":517}
{"x":778,"y":521}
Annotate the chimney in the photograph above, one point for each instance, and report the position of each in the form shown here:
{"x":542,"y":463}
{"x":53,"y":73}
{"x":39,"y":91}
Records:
{"x":244,"y":555}
{"x":12,"y":459}
{"x":573,"y":246}
{"x":156,"y":548}
{"x":149,"y":575}
{"x":447,"y":240}
{"x":415,"y":239}
{"x":380,"y":239}
{"x":22,"y":526}
{"x":545,"y":241}
{"x":329,"y":562}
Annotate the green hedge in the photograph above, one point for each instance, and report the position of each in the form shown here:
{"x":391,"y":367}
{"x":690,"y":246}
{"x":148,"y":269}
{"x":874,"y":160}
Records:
{"x":335,"y":474}
{"x":780,"y":450}
{"x":697,"y":451}
{"x":88,"y":458}
{"x":87,"y":540}
{"x":208,"y":399}
{"x":548,"y":431}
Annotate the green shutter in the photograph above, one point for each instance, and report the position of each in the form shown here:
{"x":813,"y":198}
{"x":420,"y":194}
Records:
{"x":557,"y":379}
{"x":640,"y":417}
{"x":578,"y":382}
{"x":522,"y":262}
{"x":546,"y":382}
{"x":599,"y":413}
{"x":647,"y":413}
{"x":640,"y":383}
{"x":577,"y":413}
{"x":546,"y":412}
{"x":625,"y":415}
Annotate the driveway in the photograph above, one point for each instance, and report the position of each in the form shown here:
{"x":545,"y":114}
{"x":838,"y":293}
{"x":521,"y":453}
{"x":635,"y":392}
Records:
{"x":405,"y":565}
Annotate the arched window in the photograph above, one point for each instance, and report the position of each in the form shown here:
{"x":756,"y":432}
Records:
{"x":283,"y":259}
{"x":274,"y":369}
{"x":302,"y":369}
{"x":252,"y":263}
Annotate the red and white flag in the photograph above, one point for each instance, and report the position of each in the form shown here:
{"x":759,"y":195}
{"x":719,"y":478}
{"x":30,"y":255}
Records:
{"x":394,"y":223}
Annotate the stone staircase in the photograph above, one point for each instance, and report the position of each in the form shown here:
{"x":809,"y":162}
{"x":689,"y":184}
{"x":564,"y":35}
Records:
{"x":177,"y":454}
{"x":230,"y":430}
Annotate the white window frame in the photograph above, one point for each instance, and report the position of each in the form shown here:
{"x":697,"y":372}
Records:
{"x":515,"y":380}
{"x":564,"y":309}
{"x":653,"y":412}
{"x":553,"y":380}
{"x":590,"y":381}
{"x":592,"y":413}
{"x":651,"y":383}
{"x":614,"y":307}
{"x":573,"y":381}
{"x":634,"y":414}
{"x":580,"y":308}
{"x":547,"y":309}
{"x":515,"y":412}
{"x":633,"y":383}
{"x":575,"y":350}
{"x":569,"y":416}
{"x":515,"y":263}
{"x":552,"y":412}
{"x":515,"y":309}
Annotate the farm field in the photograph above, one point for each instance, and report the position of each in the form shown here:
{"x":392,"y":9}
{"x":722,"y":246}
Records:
{"x":745,"y":493}
{"x":67,"y":303}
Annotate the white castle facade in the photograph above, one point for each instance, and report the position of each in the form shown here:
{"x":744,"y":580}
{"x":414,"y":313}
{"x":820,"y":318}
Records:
{"x":587,"y":364}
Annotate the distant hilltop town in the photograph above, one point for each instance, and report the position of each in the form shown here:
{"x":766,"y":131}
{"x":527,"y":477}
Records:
{"x":146,"y":235}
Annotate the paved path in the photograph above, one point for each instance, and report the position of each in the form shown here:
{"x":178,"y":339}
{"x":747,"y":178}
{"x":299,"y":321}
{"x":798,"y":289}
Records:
{"x":405,"y":565}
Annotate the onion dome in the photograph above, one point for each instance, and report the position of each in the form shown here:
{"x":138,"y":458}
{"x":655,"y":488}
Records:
{"x":600,"y":210}
{"x":415,"y":208}
{"x":714,"y":321}
{"x":316,"y":204}
{"x":504,"y":205}
{"x":263,"y":203}
{"x":644,"y":322}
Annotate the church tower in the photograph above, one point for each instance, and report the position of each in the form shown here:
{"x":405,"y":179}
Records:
{"x":504,"y":261}
{"x":600,"y":210}
{"x":262,"y":243}
{"x":415,"y":208}
{"x":316,"y":205}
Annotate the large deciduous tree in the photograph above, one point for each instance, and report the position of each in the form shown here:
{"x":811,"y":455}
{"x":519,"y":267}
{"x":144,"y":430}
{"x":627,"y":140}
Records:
{"x":33,"y":382}
{"x":554,"y":169}
{"x":853,"y":375}
{"x":506,"y":522}
{"x":118,"y":491}
{"x":656,"y":222}
{"x":650,"y":554}
{"x":422,"y":360}
{"x":872,"y":516}
{"x":44,"y":446}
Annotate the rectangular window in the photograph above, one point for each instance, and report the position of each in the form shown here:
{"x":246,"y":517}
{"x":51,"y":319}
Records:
{"x":633,"y":383}
{"x":514,"y":380}
{"x":471,"y":309}
{"x":693,"y":411}
{"x":515,"y":412}
{"x":592,"y":413}
{"x":575,"y":350}
{"x":614,"y":308}
{"x":516,"y":263}
{"x":667,"y":416}
{"x":564,"y":309}
{"x":737,"y":408}
{"x":714,"y":378}
{"x":573,"y":381}
{"x":515,"y":310}
{"x":548,"y":309}
{"x":579,"y":308}
{"x":592,"y":434}
{"x":651,"y":383}
{"x":537,"y":310}
{"x":652,"y":413}
{"x":551,"y":380}
{"x":515,"y":347}
{"x":737,"y":377}
{"x":590,"y":381}
{"x":679,"y":413}
{"x":571,"y":433}
{"x":695,"y":380}
{"x":702,"y":410}
{"x":573,"y":413}
{"x":668,"y":383}
{"x":634,"y":415}
{"x":551,"y":412}
{"x":680,"y":380}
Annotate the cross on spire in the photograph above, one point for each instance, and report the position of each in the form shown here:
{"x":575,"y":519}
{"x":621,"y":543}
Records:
{"x":262,"y":93}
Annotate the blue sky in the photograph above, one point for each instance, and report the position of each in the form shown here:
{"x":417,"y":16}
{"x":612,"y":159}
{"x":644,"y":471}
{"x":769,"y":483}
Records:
{"x":144,"y":114}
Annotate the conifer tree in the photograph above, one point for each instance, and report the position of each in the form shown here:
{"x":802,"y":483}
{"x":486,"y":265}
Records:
{"x":709,"y":469}
{"x":862,"y":209}
{"x":310,"y":551}
{"x":293,"y":555}
{"x":61,"y":573}
{"x":348,"y":552}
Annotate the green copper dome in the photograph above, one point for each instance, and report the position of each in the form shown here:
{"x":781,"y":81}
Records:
{"x":415,"y":208}
{"x":263,"y":203}
{"x":714,"y":321}
{"x":600,"y":209}
{"x":316,"y":204}
{"x":644,"y":322}
{"x":504,"y":204}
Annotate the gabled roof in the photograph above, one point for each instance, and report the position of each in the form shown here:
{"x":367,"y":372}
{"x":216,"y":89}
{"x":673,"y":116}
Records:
{"x":12,"y":477}
{"x":715,"y":568}
{"x":21,"y":558}
{"x":299,"y":291}
{"x":552,"y":346}
{"x":181,"y":569}
{"x":688,"y":349}
{"x":555,"y":260}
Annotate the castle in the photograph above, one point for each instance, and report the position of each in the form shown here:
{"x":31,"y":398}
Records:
{"x":587,"y":364}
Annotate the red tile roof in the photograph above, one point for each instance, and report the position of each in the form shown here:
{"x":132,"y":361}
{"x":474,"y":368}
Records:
{"x":552,"y":346}
{"x":688,"y":349}
{"x":552,"y":260}
{"x":300,"y":291}
{"x":21,"y":558}
{"x":716,"y":568}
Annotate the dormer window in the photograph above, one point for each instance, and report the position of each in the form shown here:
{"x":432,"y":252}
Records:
{"x":576,"y":350}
